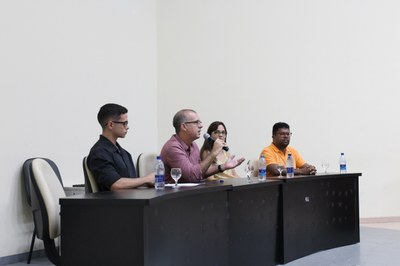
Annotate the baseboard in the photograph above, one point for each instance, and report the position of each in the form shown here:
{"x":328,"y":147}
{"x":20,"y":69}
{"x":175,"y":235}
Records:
{"x":21,"y":257}
{"x":394,"y":219}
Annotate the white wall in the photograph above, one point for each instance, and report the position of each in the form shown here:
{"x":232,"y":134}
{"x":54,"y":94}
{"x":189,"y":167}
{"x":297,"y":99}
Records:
{"x":328,"y":68}
{"x":59,"y":62}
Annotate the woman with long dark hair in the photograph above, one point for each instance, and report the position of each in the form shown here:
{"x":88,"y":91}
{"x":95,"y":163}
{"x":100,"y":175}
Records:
{"x":217,"y":130}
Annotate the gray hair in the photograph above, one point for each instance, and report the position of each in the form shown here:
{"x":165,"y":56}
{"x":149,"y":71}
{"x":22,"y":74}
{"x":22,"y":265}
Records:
{"x":180,"y":118}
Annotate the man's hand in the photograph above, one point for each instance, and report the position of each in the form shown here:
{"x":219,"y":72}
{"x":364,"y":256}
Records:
{"x":150,"y":179}
{"x":232,"y":162}
{"x":310,"y":170}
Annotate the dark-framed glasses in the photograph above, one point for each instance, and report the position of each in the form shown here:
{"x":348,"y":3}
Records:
{"x":219,"y":132}
{"x":198,"y":122}
{"x":124,"y":123}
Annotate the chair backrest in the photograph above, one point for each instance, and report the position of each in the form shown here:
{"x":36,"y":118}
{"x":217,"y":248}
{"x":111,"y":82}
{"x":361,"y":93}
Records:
{"x":26,"y":174}
{"x":145,"y":163}
{"x":90,"y":182}
{"x":254,"y":164}
{"x":46,"y":190}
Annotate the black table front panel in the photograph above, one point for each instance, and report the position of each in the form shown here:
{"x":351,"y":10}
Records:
{"x":319,"y":214}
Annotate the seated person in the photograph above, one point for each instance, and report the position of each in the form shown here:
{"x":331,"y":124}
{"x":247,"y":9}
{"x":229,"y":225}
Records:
{"x":277,"y":153}
{"x":180,"y":151}
{"x":111,"y":165}
{"x":217,"y":130}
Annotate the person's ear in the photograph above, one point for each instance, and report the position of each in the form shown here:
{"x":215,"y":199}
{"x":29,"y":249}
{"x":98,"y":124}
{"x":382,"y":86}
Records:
{"x":108,"y":124}
{"x":183,"y":127}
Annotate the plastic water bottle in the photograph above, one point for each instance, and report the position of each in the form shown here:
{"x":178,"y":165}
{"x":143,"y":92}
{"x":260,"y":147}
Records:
{"x":342,"y":163}
{"x":289,"y":166}
{"x":160,"y":174}
{"x":262,"y":169}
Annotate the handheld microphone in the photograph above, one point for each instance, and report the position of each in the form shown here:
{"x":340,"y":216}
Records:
{"x":209,"y":138}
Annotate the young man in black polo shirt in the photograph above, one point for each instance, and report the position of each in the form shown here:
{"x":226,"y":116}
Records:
{"x":111,"y":165}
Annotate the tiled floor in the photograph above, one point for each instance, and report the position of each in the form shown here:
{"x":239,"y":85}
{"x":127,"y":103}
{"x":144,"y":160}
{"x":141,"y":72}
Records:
{"x":34,"y":262}
{"x":379,"y":245}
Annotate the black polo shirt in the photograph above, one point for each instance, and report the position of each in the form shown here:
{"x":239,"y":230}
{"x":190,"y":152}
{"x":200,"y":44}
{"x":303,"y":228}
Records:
{"x":109,"y":163}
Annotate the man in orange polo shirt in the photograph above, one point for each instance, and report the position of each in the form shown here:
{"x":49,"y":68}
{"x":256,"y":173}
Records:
{"x":277,"y":153}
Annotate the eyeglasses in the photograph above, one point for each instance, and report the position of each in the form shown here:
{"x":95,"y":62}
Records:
{"x":198,"y":122}
{"x":124,"y":123}
{"x":217,"y":132}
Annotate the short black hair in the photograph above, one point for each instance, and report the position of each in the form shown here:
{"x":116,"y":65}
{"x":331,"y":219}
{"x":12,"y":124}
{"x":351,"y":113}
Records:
{"x":110,"y":111}
{"x":278,"y":126}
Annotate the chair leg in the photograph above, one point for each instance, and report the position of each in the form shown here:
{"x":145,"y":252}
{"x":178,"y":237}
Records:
{"x":32,"y":244}
{"x":52,"y":251}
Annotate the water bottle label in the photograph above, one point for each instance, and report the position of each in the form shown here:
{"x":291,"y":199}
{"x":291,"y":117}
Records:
{"x":159,"y":182}
{"x":289,"y":171}
{"x":343,"y":168}
{"x":159,"y":178}
{"x":262,"y":172}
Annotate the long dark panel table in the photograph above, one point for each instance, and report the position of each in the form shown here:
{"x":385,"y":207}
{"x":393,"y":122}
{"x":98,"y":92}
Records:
{"x":188,"y":226}
{"x":229,"y":223}
{"x":318,"y":213}
{"x":253,"y":222}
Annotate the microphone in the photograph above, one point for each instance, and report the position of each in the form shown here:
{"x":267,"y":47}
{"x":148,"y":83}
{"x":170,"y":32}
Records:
{"x":209,"y":138}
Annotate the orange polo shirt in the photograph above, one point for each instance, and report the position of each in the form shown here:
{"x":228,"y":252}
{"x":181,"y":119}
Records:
{"x":274,"y":156}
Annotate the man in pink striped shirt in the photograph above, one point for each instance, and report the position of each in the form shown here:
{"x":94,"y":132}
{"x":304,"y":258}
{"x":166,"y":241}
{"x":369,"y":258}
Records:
{"x":180,"y":151}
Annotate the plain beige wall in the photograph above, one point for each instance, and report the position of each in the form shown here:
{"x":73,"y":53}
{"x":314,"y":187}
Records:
{"x":59,"y":62}
{"x":328,"y":68}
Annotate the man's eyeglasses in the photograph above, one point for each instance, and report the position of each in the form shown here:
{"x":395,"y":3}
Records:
{"x":124,"y":123}
{"x":198,"y":122}
{"x":217,"y":132}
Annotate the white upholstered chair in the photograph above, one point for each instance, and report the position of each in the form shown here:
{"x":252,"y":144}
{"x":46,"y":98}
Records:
{"x":254,"y":165}
{"x":90,"y":182}
{"x":45,"y":191}
{"x":145,"y":163}
{"x":26,"y":173}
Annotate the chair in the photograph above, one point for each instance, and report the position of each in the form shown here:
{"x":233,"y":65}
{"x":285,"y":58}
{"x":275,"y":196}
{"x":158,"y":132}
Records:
{"x":90,"y":182}
{"x":45,"y":191}
{"x":254,"y":166}
{"x":26,"y":174}
{"x":145,"y":163}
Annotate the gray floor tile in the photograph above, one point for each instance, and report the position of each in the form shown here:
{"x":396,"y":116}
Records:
{"x":377,"y":247}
